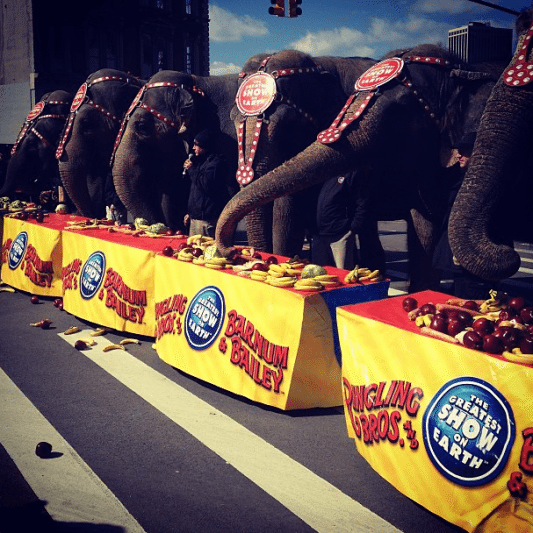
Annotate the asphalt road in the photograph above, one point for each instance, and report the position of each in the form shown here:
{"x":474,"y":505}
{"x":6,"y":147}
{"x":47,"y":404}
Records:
{"x":139,"y":446}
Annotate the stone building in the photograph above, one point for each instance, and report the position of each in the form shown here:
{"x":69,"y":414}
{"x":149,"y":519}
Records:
{"x":49,"y":45}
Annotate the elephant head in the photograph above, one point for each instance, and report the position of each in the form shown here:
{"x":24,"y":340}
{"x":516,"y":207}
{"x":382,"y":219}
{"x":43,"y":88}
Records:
{"x":155,"y":139}
{"x":90,"y":132}
{"x":300,"y":96}
{"x":396,"y":128}
{"x":481,"y":226}
{"x":32,"y":167}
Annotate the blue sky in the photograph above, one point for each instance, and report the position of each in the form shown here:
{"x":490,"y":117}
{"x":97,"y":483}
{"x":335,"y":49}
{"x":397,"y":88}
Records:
{"x":242,"y":28}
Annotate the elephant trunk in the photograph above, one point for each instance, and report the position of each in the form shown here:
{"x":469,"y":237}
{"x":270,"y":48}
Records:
{"x":502,"y":138}
{"x":14,"y":175}
{"x":315,"y":164}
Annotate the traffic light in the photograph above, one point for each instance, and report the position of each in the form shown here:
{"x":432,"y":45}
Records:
{"x":278,"y":8}
{"x":294,"y":9}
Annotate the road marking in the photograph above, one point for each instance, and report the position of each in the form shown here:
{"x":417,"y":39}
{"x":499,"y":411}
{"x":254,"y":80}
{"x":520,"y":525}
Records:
{"x":73,"y":492}
{"x":315,"y":501}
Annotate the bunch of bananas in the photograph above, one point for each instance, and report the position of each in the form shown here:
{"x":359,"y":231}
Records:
{"x":216,"y":263}
{"x":358,"y":275}
{"x":496,"y":302}
{"x":199,"y":240}
{"x":185,"y":254}
{"x":309,"y":284}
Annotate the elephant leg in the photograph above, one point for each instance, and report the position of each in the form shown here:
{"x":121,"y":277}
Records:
{"x":259,"y":228}
{"x":420,"y":245}
{"x":287,"y":227}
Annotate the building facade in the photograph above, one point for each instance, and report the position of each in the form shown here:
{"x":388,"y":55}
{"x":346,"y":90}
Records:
{"x":478,"y":42}
{"x":45,"y":46}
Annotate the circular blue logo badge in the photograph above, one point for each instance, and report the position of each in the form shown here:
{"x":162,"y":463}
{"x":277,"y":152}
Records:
{"x":17,"y":250}
{"x":92,"y":275}
{"x":468,"y":430}
{"x":204,"y":318}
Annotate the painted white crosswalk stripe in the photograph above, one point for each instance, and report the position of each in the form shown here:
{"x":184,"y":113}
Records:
{"x":71,"y":489}
{"x":315,"y":501}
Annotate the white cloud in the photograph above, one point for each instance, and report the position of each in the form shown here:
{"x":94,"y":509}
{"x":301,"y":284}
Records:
{"x":226,"y":27}
{"x":382,"y":36}
{"x":217,"y":68}
{"x":340,"y":41}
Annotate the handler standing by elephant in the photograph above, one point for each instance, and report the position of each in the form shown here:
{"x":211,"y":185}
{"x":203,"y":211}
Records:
{"x":208,"y":191}
{"x":344,"y":211}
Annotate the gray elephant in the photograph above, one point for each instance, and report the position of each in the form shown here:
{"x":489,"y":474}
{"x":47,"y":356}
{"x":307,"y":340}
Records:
{"x":157,"y":135}
{"x":85,"y":149}
{"x":493,"y":205}
{"x":301,"y":96}
{"x":32,"y":167}
{"x":404,"y":111}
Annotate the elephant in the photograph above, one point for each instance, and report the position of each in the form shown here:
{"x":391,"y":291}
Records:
{"x":32,"y":167}
{"x":305,"y":96}
{"x":157,"y":134}
{"x":493,"y":205}
{"x":404,"y":111}
{"x":85,"y":149}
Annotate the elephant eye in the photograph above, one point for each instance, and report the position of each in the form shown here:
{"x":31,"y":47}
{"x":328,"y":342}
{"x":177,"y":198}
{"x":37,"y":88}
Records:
{"x":142,"y":127}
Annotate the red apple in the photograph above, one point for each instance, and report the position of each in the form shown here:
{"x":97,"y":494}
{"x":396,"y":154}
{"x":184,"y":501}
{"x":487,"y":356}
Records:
{"x":510,"y":336}
{"x":517,"y":303}
{"x":472,"y":340}
{"x":43,"y":450}
{"x":506,"y":314}
{"x":526,"y":314}
{"x":45,"y":323}
{"x":57,"y":301}
{"x":197,"y":252}
{"x":169,"y":233}
{"x":168,"y":251}
{"x":34,"y":299}
{"x":260,"y":266}
{"x":257,"y":255}
{"x":39,"y":216}
{"x":526,"y":344}
{"x":483,"y":326}
{"x":439,"y":323}
{"x":470,"y":304}
{"x":271,"y":260}
{"x":80,"y":345}
{"x":409,"y":304}
{"x":428,"y":309}
{"x":455,"y":326}
{"x":492,"y":344}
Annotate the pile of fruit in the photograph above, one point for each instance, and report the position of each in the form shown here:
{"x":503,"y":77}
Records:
{"x":140,"y":228}
{"x":499,"y":325}
{"x":22,"y":210}
{"x":295,"y":273}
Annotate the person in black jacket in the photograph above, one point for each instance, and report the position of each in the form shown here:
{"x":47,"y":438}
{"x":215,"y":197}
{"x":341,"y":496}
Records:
{"x":345,"y":210}
{"x":208,"y":192}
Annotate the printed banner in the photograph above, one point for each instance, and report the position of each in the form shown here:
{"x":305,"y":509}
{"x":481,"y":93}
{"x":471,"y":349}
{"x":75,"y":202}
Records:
{"x":449,"y":427}
{"x":32,"y":256}
{"x":108,"y":283}
{"x":272,"y":345}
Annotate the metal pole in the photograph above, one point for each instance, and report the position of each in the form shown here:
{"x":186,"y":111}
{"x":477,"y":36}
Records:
{"x":489,"y":4}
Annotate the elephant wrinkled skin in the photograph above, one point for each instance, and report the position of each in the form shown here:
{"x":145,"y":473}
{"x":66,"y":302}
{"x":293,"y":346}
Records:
{"x":493,"y":206}
{"x":398,"y":140}
{"x":158,"y":133}
{"x":85,"y":150}
{"x":32,"y":167}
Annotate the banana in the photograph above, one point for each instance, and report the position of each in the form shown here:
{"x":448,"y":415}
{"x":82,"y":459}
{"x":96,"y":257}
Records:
{"x":285,"y":281}
{"x":519,"y":357}
{"x":71,"y":330}
{"x":194,"y":238}
{"x":275,"y":273}
{"x":214,"y":266}
{"x":277,"y":268}
{"x":185,"y":256}
{"x":294,"y":271}
{"x":88,"y":341}
{"x":99,"y":331}
{"x":218,"y":261}
{"x":350,"y":277}
{"x":297,"y":265}
{"x":199,"y":260}
{"x":329,"y":283}
{"x":258,"y":275}
{"x":308,"y":284}
{"x":327,"y":277}
{"x":7,"y":289}
{"x":110,"y":347}
{"x":129,"y":341}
